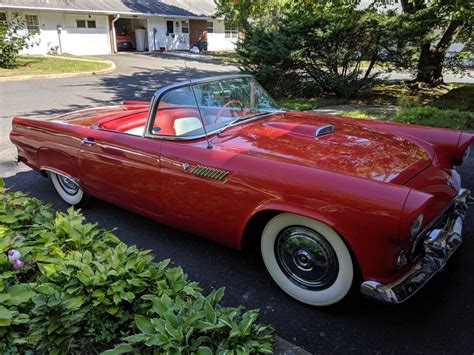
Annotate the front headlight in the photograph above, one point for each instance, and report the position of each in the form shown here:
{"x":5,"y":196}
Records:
{"x":416,"y":226}
{"x":466,"y":154}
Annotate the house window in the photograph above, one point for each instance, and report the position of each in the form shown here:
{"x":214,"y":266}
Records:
{"x":185,"y":26}
{"x":86,"y":24}
{"x":231,"y":31}
{"x":169,"y":27}
{"x":32,"y":23}
{"x":3,"y":17}
{"x":210,"y":27}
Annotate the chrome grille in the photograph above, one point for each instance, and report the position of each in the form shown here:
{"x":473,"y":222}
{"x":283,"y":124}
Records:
{"x":457,"y":207}
{"x":441,"y":221}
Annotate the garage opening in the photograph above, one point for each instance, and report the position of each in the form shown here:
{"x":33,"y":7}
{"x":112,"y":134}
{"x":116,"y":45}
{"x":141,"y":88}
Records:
{"x":131,"y":34}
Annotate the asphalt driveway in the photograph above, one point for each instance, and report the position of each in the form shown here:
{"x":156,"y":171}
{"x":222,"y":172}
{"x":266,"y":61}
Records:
{"x":440,"y":319}
{"x":137,"y":77}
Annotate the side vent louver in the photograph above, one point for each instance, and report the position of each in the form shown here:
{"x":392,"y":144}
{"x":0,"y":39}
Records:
{"x":210,"y":173}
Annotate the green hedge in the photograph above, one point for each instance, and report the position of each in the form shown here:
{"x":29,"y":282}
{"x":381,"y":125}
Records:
{"x":77,"y":289}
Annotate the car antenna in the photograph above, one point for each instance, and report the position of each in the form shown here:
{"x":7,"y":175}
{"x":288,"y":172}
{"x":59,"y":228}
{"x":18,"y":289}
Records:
{"x":209,"y":145}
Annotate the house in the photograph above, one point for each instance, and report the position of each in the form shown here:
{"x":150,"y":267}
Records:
{"x":88,"y":27}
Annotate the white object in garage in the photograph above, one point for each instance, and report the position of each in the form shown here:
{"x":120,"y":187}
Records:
{"x":140,"y":35}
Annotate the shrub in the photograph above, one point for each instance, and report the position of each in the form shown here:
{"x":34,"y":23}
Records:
{"x":13,"y":38}
{"x":432,"y":116}
{"x":77,"y":288}
{"x":324,"y":43}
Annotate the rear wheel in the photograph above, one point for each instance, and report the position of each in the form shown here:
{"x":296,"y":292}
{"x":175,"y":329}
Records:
{"x":307,"y":259}
{"x":68,"y":190}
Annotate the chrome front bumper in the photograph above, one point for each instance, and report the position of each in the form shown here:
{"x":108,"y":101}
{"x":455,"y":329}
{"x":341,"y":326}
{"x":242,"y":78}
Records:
{"x":439,"y":245}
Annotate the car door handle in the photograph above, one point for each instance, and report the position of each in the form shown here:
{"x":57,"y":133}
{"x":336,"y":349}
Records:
{"x":89,"y":141}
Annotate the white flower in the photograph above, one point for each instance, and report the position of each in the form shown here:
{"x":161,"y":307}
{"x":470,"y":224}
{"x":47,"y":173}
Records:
{"x":13,"y":255}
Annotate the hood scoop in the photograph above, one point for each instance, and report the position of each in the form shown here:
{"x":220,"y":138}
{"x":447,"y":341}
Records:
{"x":301,"y":129}
{"x":321,"y":131}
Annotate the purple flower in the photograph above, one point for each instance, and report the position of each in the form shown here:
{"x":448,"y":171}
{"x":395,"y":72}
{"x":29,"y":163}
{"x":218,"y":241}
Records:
{"x":13,"y":255}
{"x":17,"y":264}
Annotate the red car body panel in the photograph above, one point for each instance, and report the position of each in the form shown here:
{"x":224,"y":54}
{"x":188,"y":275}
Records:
{"x":369,"y":180}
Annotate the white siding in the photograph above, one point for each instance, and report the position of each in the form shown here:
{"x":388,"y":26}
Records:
{"x":80,"y":41}
{"x":160,"y":39}
{"x":48,"y":36}
{"x":85,"y":40}
{"x":91,"y":41}
{"x":216,"y":41}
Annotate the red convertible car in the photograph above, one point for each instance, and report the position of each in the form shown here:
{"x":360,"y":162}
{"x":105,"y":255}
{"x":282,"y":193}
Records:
{"x":333,"y":202}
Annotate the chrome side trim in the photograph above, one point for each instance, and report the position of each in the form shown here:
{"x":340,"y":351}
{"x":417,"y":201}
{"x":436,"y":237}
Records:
{"x":53,"y":170}
{"x":88,"y":141}
{"x":439,"y":245}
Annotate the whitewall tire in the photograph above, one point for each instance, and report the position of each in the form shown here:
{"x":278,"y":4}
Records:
{"x":68,"y":190}
{"x":307,"y":259}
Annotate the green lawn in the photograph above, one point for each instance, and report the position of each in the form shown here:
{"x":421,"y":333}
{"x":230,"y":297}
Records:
{"x":421,"y":115}
{"x":448,"y":96}
{"x":452,"y":96}
{"x":225,"y":56}
{"x":40,"y":65}
{"x":450,"y":106}
{"x":85,"y":57}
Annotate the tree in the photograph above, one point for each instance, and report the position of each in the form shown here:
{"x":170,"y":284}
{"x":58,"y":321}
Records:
{"x":14,"y":37}
{"x":426,"y":30}
{"x":323,"y":43}
{"x":244,"y":12}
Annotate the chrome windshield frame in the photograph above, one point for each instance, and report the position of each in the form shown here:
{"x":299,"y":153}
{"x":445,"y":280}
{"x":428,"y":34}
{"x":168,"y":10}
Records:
{"x":157,"y":96}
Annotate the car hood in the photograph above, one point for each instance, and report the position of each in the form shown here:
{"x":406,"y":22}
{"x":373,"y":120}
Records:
{"x":351,"y":149}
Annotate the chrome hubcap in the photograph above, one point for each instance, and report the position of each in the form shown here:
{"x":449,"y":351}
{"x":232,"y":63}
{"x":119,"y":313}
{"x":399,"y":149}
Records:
{"x":306,"y":258}
{"x":69,"y":186}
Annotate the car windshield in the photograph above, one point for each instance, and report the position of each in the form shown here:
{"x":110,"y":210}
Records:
{"x":216,"y":104}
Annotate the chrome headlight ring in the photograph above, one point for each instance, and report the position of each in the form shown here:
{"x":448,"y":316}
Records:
{"x":416,"y":226}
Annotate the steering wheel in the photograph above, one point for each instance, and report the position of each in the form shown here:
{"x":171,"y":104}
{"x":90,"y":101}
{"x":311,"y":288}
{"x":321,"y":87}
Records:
{"x":218,"y":116}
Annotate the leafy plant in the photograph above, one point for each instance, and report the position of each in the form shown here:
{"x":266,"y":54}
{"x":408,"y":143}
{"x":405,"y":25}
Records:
{"x":177,"y":326}
{"x":14,"y":37}
{"x":77,"y":288}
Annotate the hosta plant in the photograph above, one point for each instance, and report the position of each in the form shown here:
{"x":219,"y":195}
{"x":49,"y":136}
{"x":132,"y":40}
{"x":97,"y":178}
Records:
{"x":67,"y":286}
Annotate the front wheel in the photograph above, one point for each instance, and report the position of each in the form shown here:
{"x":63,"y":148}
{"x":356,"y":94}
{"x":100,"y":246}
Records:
{"x":307,"y":259}
{"x":68,"y":190}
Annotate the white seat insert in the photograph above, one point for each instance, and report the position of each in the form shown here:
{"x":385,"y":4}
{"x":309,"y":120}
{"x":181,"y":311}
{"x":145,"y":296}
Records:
{"x":138,"y":131}
{"x":186,"y":124}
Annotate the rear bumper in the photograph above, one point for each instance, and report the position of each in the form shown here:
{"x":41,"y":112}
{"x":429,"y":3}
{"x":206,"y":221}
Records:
{"x":439,"y":244}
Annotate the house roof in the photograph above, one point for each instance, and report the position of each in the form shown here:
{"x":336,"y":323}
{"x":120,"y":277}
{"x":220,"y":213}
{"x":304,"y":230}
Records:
{"x":167,"y":8}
